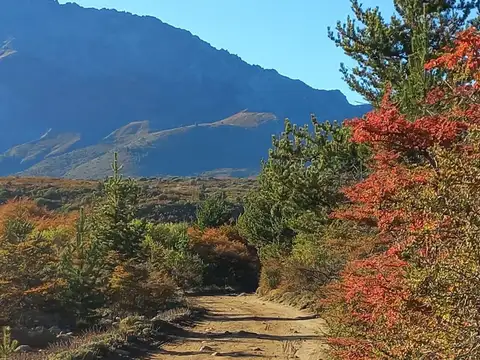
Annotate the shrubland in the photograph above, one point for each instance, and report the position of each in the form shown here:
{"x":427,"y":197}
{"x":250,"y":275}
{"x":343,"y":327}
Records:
{"x":63,"y":273}
{"x":372,"y":222}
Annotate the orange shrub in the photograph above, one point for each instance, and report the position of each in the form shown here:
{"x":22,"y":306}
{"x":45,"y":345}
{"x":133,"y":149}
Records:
{"x":229,"y":260}
{"x":40,"y":218}
{"x":133,"y":288}
{"x":30,"y":243}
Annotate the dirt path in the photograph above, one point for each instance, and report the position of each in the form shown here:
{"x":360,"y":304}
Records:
{"x":247,"y":327}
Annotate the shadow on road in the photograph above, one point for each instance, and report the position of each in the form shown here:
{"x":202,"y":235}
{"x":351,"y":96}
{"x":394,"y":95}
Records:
{"x":235,"y":317}
{"x":236,"y":354}
{"x":186,"y":334}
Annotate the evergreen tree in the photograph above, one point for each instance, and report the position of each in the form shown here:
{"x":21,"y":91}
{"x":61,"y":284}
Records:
{"x":7,"y":346}
{"x":382,"y":48}
{"x":262,"y":222}
{"x":214,"y":211}
{"x":82,"y":266}
{"x":299,"y":183}
{"x":415,"y":87}
{"x":115,"y":223}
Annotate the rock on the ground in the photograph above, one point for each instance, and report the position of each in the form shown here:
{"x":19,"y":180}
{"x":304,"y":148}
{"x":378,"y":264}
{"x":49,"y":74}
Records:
{"x":206,"y":348}
{"x":23,"y":349}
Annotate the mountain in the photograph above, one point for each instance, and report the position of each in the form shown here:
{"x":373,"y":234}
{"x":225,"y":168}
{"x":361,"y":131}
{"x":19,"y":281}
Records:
{"x":84,"y":83}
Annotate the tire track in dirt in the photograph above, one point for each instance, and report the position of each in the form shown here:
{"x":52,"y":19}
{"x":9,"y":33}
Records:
{"x":247,"y":327}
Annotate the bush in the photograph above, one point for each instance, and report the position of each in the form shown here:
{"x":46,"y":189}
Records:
{"x":168,"y":245}
{"x":168,"y":235}
{"x":228,"y":259}
{"x":416,"y":295}
{"x":184,"y":267}
{"x":30,"y":285}
{"x":52,"y":194}
{"x":71,"y":269}
{"x":50,"y":204}
{"x":214,"y":211}
{"x":310,"y":266}
{"x":270,"y":276}
{"x":133,"y":288}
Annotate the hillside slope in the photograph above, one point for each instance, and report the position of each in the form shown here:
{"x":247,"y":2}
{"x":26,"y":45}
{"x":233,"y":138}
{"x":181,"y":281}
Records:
{"x":81,"y":74}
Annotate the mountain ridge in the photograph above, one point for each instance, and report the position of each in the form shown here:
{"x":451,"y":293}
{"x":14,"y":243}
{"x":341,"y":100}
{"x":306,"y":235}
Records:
{"x":91,"y":72}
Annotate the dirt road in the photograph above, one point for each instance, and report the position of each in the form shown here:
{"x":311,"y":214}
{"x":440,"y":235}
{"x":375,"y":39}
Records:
{"x":247,"y":327}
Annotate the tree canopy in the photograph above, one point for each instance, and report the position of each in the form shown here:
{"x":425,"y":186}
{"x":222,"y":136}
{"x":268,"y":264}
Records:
{"x":382,"y":46}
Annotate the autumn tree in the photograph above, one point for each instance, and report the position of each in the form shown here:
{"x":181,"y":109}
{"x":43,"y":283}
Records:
{"x":382,"y":47}
{"x":29,"y":247}
{"x":416,"y":298}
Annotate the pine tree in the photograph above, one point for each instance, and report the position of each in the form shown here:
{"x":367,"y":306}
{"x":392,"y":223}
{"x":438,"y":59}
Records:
{"x":82,"y":265}
{"x":299,"y":183}
{"x":382,"y":48}
{"x":8,"y":346}
{"x":214,"y":211}
{"x":115,"y":222}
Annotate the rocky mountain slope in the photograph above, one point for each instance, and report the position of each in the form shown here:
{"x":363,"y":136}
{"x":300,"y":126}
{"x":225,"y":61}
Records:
{"x":85,"y":82}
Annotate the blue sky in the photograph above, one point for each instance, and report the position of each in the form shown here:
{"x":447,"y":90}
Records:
{"x":287,"y":35}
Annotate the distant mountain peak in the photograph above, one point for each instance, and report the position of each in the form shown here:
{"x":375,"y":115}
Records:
{"x":86,"y":73}
{"x":133,"y":129}
{"x":247,"y":119}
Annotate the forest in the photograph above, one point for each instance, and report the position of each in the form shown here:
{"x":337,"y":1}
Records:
{"x":373,"y":223}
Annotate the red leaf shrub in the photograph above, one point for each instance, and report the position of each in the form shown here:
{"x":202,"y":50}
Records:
{"x":416,"y":298}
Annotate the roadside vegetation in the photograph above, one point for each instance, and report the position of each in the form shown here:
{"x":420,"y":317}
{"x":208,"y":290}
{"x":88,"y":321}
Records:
{"x":372,"y":223}
{"x":109,"y":272}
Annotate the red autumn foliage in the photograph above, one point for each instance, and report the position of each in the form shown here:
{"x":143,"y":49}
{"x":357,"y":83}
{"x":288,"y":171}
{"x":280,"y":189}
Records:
{"x":463,"y":55}
{"x":374,"y":291}
{"x":387,"y":128}
{"x":376,"y":286}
